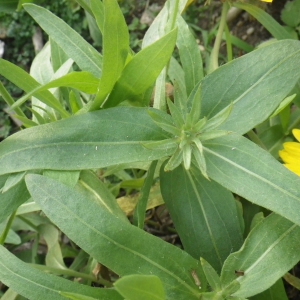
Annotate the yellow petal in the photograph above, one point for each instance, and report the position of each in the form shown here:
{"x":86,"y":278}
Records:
{"x":289,"y":158}
{"x":295,"y":168}
{"x":292,"y":147}
{"x":296,"y":133}
{"x":269,"y":1}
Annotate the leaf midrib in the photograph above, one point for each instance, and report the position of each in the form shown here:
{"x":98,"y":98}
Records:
{"x":70,"y":212}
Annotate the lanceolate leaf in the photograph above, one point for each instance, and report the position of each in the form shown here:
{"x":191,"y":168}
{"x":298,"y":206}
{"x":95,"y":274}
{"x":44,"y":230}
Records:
{"x":115,"y":49}
{"x":82,"y":81}
{"x":97,"y":10}
{"x":122,"y":247}
{"x":27,"y":83}
{"x":266,"y":20}
{"x":89,"y":141}
{"x":93,"y":188}
{"x":35,"y":285}
{"x":137,"y":287}
{"x":254,"y":91}
{"x":141,"y":72}
{"x":247,"y":170}
{"x":275,"y":292}
{"x":12,"y":198}
{"x":270,"y":250}
{"x":190,"y":55}
{"x":74,"y":296}
{"x":86,"y":57}
{"x":157,"y":28}
{"x":204,"y":213}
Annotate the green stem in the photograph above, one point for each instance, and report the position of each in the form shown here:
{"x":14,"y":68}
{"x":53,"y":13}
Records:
{"x":228,"y":44}
{"x":72,"y":273}
{"x":10,"y":101}
{"x":7,"y":227}
{"x":254,"y":138}
{"x":35,"y":228}
{"x":213,"y":62}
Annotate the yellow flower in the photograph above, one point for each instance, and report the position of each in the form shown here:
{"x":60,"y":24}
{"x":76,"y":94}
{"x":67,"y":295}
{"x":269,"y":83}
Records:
{"x":291,"y":153}
{"x":269,"y":1}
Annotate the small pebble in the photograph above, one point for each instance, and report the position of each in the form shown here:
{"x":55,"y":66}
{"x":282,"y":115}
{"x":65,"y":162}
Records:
{"x":250,"y":30}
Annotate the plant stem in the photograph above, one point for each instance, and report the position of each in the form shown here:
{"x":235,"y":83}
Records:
{"x":213,"y":61}
{"x":72,"y":273}
{"x":228,"y":44}
{"x":254,"y":138}
{"x":7,"y":227}
{"x":10,"y":101}
{"x":35,"y":228}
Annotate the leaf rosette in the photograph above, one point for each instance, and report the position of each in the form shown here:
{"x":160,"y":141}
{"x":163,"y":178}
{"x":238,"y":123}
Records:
{"x":189,"y":131}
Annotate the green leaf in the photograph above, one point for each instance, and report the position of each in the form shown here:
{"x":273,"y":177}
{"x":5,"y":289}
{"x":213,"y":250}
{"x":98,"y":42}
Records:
{"x":187,"y":155}
{"x":174,"y":161}
{"x":164,"y":144}
{"x":69,"y":178}
{"x":290,"y":13}
{"x":141,"y":207}
{"x":176,"y":75}
{"x":136,"y":287}
{"x":266,"y":20}
{"x":84,"y":4}
{"x":273,"y":138}
{"x":268,"y":253}
{"x":159,"y":101}
{"x":204,"y":214}
{"x":256,"y":91}
{"x":82,"y":81}
{"x":34,"y":284}
{"x":160,"y":117}
{"x":94,"y":189}
{"x":27,"y":207}
{"x":12,"y":198}
{"x":164,"y":121}
{"x":24,"y":81}
{"x":58,"y":56}
{"x":249,"y":171}
{"x":292,"y":280}
{"x":54,"y":256}
{"x":141,"y":72}
{"x":77,"y":143}
{"x":194,"y":103}
{"x":211,"y":275}
{"x":190,"y":55}
{"x":157,"y":28}
{"x":8,"y":6}
{"x":97,"y":10}
{"x":200,"y":159}
{"x":85,"y":56}
{"x":12,"y":237}
{"x":285,"y":103}
{"x":9,"y":295}
{"x":176,"y":114}
{"x":12,"y":180}
{"x":118,"y":245}
{"x":74,"y":296}
{"x":218,"y":119}
{"x":115,"y":49}
{"x":275,"y":292}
